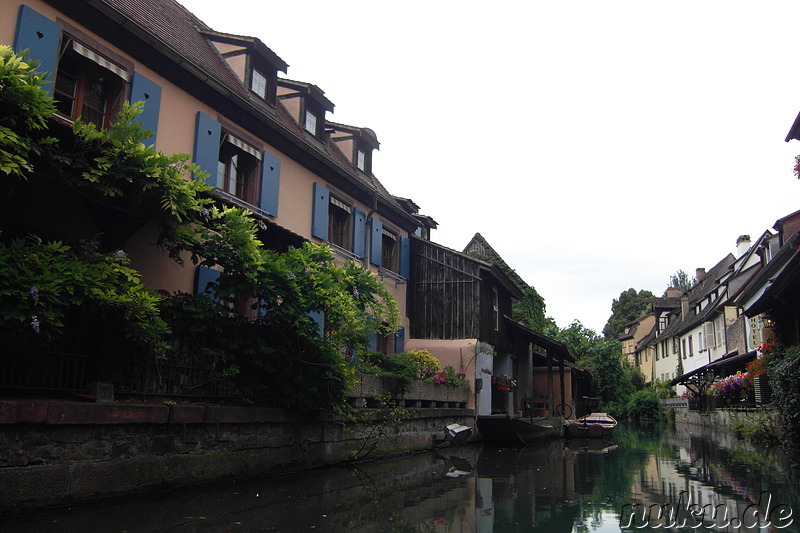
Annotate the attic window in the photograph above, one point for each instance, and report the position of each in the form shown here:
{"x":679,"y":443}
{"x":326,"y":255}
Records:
{"x":311,"y":124}
{"x":258,"y":83}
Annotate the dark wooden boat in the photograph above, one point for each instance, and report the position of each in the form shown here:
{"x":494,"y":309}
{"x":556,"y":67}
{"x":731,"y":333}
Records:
{"x":592,"y":425}
{"x":504,"y":430}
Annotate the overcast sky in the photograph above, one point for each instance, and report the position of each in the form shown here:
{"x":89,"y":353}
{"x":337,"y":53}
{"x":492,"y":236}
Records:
{"x":597,"y":146}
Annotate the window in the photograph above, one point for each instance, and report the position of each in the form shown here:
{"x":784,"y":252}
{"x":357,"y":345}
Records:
{"x":663,"y":322}
{"x":88,"y":86}
{"x":258,"y":84}
{"x":496,"y":309}
{"x":311,"y":123}
{"x":361,"y":160}
{"x":390,"y":255}
{"x":683,"y":348}
{"x":339,"y":223}
{"x":237,"y":169}
{"x":691,"y":348}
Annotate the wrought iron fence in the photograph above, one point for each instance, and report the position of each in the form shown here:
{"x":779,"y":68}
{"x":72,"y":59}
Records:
{"x":160,"y":379}
{"x":39,"y":371}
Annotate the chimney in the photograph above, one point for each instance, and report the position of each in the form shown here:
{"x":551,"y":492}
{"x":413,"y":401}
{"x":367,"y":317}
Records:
{"x":742,"y":245}
{"x":699,"y":274}
{"x":684,"y":305}
{"x":673,"y":292}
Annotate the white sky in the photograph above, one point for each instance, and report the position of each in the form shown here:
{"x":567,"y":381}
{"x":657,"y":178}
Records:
{"x":597,"y":146}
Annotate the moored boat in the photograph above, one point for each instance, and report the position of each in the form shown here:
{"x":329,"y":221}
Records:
{"x":506,"y":430}
{"x":592,"y":425}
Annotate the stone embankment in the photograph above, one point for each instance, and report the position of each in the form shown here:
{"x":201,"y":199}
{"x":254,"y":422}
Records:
{"x":58,"y":452}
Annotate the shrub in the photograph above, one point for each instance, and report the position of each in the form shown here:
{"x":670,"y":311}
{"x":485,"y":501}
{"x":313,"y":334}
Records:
{"x":644,"y":405}
{"x":785,"y":380}
{"x":449,"y":376}
{"x":758,"y":427}
{"x":426,"y":364}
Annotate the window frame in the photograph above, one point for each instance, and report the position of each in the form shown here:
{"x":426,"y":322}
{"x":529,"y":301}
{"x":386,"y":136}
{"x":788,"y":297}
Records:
{"x":390,"y":242}
{"x":248,"y":189}
{"x":339,"y":210}
{"x":74,"y":61}
{"x":310,"y":112}
{"x":257,"y":75}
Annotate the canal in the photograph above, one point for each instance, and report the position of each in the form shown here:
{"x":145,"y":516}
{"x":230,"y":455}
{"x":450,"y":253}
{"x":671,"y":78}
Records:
{"x":697,"y":478}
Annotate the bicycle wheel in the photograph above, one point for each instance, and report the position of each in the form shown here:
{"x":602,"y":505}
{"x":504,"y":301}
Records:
{"x":563,"y":410}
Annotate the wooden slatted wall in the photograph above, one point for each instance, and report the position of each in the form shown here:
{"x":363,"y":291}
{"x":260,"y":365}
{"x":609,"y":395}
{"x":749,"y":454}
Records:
{"x":445,"y":293}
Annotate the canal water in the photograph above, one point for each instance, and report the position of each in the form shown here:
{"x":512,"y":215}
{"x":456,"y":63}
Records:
{"x":656,"y":477}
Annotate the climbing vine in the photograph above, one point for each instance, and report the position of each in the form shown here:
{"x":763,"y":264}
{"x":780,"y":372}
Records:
{"x":255,"y":322}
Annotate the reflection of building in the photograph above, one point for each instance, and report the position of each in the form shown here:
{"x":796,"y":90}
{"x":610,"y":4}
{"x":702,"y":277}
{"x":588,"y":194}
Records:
{"x":529,"y":487}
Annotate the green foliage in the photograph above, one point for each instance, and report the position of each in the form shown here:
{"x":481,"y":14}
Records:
{"x":628,"y":307}
{"x":24,"y":110}
{"x":283,"y":359}
{"x":644,"y":405}
{"x":449,"y":376}
{"x":376,"y":429}
{"x":530,"y":310}
{"x":613,"y":377}
{"x":681,"y":280}
{"x":41,"y":281}
{"x":757,"y":427}
{"x":784,"y":376}
{"x":395,"y":366}
{"x":122,"y":186}
{"x":426,"y":364}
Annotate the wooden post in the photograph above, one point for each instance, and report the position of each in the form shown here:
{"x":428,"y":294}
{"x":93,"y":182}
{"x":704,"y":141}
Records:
{"x":549,"y":383}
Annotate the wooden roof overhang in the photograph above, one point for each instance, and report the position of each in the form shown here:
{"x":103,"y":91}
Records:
{"x":555,"y":349}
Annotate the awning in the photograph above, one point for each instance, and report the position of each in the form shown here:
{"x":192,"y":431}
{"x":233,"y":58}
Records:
{"x":91,"y":55}
{"x":241,"y":145}
{"x":728,"y":360}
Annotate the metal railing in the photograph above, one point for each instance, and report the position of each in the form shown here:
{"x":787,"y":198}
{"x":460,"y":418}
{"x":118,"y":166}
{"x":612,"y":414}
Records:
{"x":39,"y":371}
{"x":160,"y":379}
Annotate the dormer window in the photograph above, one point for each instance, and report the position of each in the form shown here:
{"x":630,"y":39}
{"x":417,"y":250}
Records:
{"x":311,"y":124}
{"x":361,"y":160}
{"x":258,"y":84}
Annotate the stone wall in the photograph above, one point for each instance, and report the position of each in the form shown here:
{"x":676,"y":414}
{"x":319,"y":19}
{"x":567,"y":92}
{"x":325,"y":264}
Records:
{"x":719,"y":418}
{"x":61,"y":452}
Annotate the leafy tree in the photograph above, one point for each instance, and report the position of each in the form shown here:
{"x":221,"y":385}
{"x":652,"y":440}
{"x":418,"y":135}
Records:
{"x":612,"y":376}
{"x":628,"y":307}
{"x":681,"y":280}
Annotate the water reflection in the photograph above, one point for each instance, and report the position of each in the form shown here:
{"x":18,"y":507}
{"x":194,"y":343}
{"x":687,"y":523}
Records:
{"x":559,"y":486}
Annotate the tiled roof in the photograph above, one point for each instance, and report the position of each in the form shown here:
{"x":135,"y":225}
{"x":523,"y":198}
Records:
{"x":167,"y":27}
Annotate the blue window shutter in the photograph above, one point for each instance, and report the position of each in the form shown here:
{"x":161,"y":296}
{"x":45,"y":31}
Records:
{"x":405,"y":257}
{"x":400,"y":341}
{"x":359,"y":232}
{"x":144,"y":90}
{"x":270,"y":183}
{"x":206,"y":146}
{"x":373,"y":342}
{"x":319,"y":221}
{"x":42,"y":37}
{"x":319,"y":318}
{"x":376,"y":243}
{"x":205,"y":276}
